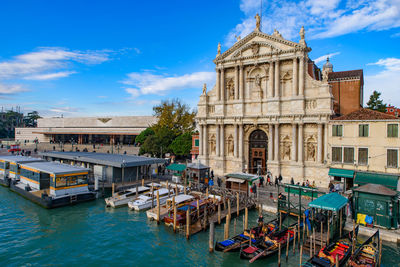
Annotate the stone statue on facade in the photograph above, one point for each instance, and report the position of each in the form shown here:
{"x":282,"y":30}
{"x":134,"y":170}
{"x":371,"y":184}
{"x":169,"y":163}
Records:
{"x":219,"y":49}
{"x":238,"y":38}
{"x":258,"y":22}
{"x":302,"y":36}
{"x":286,"y":151}
{"x":230,"y":87}
{"x":325,"y":75}
{"x":230,"y":145}
{"x":204,"y":89}
{"x":311,"y":152}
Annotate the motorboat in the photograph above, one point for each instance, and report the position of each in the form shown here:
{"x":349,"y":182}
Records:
{"x":122,"y":198}
{"x":144,"y":201}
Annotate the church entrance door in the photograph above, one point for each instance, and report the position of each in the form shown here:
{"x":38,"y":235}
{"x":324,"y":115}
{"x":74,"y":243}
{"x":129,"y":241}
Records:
{"x":258,"y":146}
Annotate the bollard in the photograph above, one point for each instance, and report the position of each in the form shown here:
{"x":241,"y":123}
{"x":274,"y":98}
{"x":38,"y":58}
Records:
{"x":228,"y":220}
{"x":246,"y":216}
{"x":311,"y":247}
{"x":158,"y":207}
{"x":211,"y":241}
{"x":280,"y":221}
{"x":234,"y":227}
{"x":184,"y":189}
{"x":187,"y":223}
{"x":137,"y":190}
{"x":229,"y":207}
{"x":142,"y":182}
{"x":237,"y":203}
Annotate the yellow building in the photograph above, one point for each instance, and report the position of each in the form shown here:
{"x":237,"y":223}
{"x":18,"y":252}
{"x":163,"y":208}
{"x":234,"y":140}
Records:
{"x":363,"y":147}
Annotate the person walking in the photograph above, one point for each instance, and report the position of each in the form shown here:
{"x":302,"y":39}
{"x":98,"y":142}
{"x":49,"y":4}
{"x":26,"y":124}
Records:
{"x":219,"y":182}
{"x":292,"y":181}
{"x":280,"y":178}
{"x":276,"y":181}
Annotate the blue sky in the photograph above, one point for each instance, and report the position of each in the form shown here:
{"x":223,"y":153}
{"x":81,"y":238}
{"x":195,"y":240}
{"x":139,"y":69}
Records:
{"x":96,"y":58}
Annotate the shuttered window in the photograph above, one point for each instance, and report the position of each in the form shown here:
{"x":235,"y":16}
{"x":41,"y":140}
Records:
{"x":337,"y":130}
{"x":392,"y":130}
{"x":336,"y":154}
{"x":392,"y":158}
{"x":363,"y":130}
{"x":348,"y":155}
{"x":363,"y":156}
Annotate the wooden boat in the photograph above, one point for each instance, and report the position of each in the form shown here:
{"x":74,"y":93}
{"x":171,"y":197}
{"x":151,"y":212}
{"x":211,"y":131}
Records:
{"x":179,"y":201}
{"x":233,"y":244}
{"x":122,"y":198}
{"x":367,"y":254}
{"x":268,"y":246}
{"x":326,"y":257}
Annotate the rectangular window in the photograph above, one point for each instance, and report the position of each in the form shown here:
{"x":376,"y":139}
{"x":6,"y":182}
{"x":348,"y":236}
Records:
{"x":336,"y":154}
{"x":363,"y":156}
{"x":348,"y":155}
{"x":363,"y":130}
{"x":392,"y":158}
{"x":337,"y":130}
{"x":196,"y":142}
{"x":392,"y":130}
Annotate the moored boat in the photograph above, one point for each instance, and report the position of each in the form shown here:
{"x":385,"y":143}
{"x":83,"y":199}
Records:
{"x":367,"y":254}
{"x":179,"y":201}
{"x":340,"y":249}
{"x":122,"y":198}
{"x":149,"y":200}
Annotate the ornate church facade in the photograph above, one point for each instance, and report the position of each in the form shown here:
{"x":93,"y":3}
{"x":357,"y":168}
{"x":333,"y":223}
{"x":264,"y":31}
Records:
{"x":266,"y":112}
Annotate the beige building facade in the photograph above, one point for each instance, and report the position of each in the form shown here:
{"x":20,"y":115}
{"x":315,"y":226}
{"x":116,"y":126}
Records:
{"x":265,"y":110}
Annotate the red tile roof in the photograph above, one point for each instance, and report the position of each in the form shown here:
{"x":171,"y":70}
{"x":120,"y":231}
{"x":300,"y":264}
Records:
{"x":365,"y":114}
{"x":346,"y":74}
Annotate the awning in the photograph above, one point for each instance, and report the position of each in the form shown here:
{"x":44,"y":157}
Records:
{"x":243,"y":176}
{"x":176,"y":167}
{"x":387,"y":180}
{"x":235,"y":180}
{"x":332,"y":201}
{"x":341,"y":173}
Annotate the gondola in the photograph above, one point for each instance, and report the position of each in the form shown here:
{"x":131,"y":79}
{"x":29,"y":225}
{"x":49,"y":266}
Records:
{"x":268,"y":246}
{"x":367,"y":254}
{"x":326,"y":257}
{"x":233,"y":244}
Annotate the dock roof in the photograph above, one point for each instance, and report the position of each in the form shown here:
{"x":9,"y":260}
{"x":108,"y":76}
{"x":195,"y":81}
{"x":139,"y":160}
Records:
{"x":331,"y":201}
{"x":19,"y":159}
{"x":115,"y":160}
{"x":54,"y":167}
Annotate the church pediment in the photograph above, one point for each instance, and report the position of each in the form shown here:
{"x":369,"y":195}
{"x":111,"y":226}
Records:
{"x":257,"y":44}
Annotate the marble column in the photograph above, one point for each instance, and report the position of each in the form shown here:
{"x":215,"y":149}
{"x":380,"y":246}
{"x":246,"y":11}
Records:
{"x":271,"y":80}
{"x":294,"y":142}
{"x":270,"y":143}
{"x":319,"y":154}
{"x":236,"y":82}
{"x":241,"y":87}
{"x":277,"y":81}
{"x":205,"y":141}
{"x":301,"y":76}
{"x":300,"y":157}
{"x":294,"y":81}
{"x":276,"y":145}
{"x":235,"y":141}
{"x":217,"y":140}
{"x":218,"y":83}
{"x":325,"y":158}
{"x":201,"y":141}
{"x":241,"y":140}
{"x":222,"y":84}
{"x":222,"y":142}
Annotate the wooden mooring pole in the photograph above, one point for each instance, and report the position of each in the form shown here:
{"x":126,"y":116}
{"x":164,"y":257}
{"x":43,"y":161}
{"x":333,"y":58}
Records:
{"x":280,"y":221}
{"x":219,"y":213}
{"x":246,"y":214}
{"x":322,"y":238}
{"x":211,"y":241}
{"x":304,"y":227}
{"x":353,"y":237}
{"x":158,"y":207}
{"x":229,"y":207}
{"x":311,"y":247}
{"x":113,"y":189}
{"x":298,"y":231}
{"x":279,"y":254}
{"x":174,"y":207}
{"x":234,"y":226}
{"x":237,"y":203}
{"x":142,"y":182}
{"x":137,"y":190}
{"x":315,"y":251}
{"x":187,"y":223}
{"x":207,"y":192}
{"x":198,"y":209}
{"x":301,"y":253}
{"x":337,"y":260}
{"x":340,"y":222}
{"x":380,"y":252}
{"x":294,"y":242}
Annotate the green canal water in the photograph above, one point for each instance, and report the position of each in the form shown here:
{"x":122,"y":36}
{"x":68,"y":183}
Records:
{"x":91,"y":235}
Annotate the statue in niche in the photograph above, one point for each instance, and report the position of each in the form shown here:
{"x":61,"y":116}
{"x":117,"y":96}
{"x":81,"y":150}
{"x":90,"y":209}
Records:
{"x":230,"y":87}
{"x":230,"y":145}
{"x":257,"y":81}
{"x":286,"y":151}
{"x":311,"y":152}
{"x":212,"y":144}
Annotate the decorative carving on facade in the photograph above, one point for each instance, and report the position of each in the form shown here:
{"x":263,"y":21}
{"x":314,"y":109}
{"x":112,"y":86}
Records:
{"x":311,"y":148}
{"x":204,"y":89}
{"x":255,"y":49}
{"x":210,"y":109}
{"x":104,"y":120}
{"x":311,"y":104}
{"x":230,"y":88}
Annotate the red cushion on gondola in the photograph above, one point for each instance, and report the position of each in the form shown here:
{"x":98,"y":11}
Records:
{"x":250,"y":250}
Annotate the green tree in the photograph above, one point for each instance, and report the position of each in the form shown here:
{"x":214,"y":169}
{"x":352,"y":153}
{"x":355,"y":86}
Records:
{"x":158,"y":143}
{"x":182,"y":145}
{"x":30,"y":120}
{"x":174,"y":115}
{"x":141,"y":138}
{"x":375,"y":103}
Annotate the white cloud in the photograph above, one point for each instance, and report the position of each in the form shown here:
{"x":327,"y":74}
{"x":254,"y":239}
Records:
{"x":50,"y":76}
{"x":323,"y":58}
{"x":147,"y":83}
{"x":321,"y":18}
{"x":10,"y":89}
{"x":48,"y":59}
{"x":64,"y":110}
{"x":386,"y":81}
